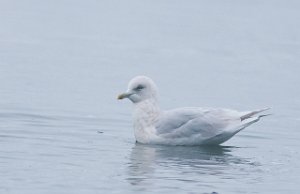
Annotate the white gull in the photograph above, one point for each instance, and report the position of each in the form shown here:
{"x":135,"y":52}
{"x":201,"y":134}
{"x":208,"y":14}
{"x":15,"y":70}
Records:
{"x":181,"y":126}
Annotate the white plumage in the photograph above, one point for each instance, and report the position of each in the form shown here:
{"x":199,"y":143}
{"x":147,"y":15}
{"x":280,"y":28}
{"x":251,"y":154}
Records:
{"x":181,"y":126}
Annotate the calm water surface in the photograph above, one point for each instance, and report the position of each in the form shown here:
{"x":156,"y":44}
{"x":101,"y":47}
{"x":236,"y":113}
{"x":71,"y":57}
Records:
{"x":63,"y":63}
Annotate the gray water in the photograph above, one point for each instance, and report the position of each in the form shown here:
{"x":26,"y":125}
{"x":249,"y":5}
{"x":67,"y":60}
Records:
{"x":62,"y":64}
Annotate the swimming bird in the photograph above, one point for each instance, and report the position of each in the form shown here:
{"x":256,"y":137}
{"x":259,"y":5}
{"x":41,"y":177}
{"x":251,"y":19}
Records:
{"x":181,"y":126}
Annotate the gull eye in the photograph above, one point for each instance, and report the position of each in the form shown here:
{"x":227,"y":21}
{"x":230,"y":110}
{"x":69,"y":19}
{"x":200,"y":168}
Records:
{"x":139,"y":87}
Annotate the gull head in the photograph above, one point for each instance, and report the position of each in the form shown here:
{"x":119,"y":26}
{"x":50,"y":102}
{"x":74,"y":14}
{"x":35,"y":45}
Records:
{"x":140,"y":88}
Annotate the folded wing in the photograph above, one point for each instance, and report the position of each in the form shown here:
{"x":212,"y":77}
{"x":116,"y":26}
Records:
{"x":205,"y":123}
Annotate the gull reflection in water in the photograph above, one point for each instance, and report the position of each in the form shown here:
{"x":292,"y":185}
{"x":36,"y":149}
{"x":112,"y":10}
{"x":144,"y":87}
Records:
{"x":148,"y":162}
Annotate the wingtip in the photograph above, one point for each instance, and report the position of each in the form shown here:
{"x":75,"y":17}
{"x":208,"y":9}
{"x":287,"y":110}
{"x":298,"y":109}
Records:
{"x":265,"y":115}
{"x":249,"y":115}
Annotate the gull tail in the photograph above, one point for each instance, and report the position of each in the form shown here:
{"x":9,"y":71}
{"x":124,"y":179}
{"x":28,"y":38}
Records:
{"x":248,"y":118}
{"x":252,"y":113}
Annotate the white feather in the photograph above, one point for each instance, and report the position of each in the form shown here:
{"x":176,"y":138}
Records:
{"x":182,"y":126}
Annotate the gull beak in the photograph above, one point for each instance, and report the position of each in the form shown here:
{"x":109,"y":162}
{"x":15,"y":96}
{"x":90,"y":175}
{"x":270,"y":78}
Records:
{"x":124,"y":95}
